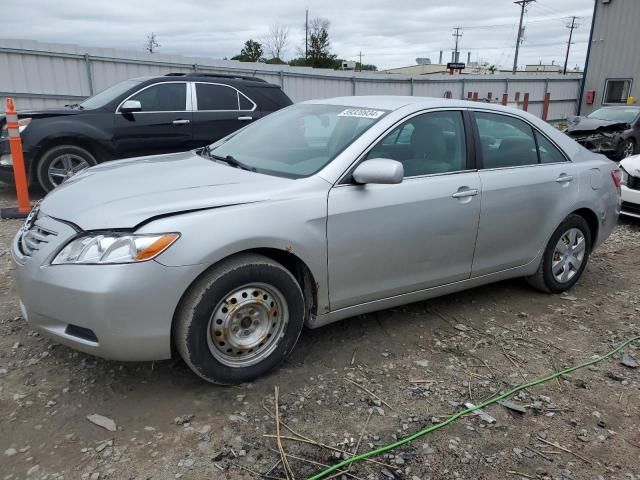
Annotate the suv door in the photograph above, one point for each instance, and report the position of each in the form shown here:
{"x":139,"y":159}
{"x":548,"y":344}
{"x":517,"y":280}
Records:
{"x":386,"y":240}
{"x":163,"y":125}
{"x":218,"y":111}
{"x":526,"y":184}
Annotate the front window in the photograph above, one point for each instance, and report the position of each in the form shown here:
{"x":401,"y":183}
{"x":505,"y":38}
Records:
{"x":297,"y":141}
{"x":163,"y":97}
{"x":616,"y":114}
{"x":617,"y":91}
{"x":101,"y":99}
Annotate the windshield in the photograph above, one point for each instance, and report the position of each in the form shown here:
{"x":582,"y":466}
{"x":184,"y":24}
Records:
{"x":626,"y":115}
{"x":105,"y":96}
{"x":297,"y":141}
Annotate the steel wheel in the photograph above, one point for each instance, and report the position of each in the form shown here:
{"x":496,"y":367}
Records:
{"x":568,"y":255}
{"x":627,"y":149}
{"x":246,"y":325}
{"x":65,"y":166}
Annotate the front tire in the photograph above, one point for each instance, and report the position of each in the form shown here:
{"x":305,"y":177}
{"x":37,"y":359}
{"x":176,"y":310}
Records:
{"x":565,"y":256}
{"x":239,"y":320}
{"x":60,"y":163}
{"x":625,"y":149}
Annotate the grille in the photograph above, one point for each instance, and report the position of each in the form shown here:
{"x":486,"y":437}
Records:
{"x":633,"y":182}
{"x":34,"y":239}
{"x":631,"y":208}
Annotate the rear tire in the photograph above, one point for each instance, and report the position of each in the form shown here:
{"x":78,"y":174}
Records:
{"x":565,"y":256}
{"x":239,"y":320}
{"x":61,"y":162}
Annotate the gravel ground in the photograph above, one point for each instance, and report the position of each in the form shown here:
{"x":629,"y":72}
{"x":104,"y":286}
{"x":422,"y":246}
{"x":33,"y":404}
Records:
{"x":414,"y":365}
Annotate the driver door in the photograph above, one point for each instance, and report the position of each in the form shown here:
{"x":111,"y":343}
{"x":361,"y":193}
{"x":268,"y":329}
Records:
{"x":387,"y":240}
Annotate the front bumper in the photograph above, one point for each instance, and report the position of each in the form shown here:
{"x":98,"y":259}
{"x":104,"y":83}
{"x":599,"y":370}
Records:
{"x":630,"y":202}
{"x":6,"y":162}
{"x":120,"y":312}
{"x":598,"y":143}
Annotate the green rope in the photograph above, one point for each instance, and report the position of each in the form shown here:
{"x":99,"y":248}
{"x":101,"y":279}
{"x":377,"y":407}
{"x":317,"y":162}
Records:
{"x":453,"y":418}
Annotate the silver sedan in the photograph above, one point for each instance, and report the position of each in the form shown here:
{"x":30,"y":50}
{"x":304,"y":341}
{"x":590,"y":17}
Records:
{"x":324,"y":210}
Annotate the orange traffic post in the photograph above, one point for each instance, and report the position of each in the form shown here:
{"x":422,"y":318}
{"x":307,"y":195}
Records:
{"x":19,"y":173}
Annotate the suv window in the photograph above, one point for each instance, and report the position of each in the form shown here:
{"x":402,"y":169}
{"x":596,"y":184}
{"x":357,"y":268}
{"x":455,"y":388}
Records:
{"x":163,"y":97}
{"x":216,"y":97}
{"x":506,"y":141}
{"x":426,"y":144}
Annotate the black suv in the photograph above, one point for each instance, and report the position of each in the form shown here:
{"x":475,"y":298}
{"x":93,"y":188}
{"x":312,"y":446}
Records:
{"x":141,"y":116}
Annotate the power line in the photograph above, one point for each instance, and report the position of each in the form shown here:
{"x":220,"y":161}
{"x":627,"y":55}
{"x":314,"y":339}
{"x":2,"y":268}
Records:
{"x":523,"y":4}
{"x":457,"y":34}
{"x":571,"y":27}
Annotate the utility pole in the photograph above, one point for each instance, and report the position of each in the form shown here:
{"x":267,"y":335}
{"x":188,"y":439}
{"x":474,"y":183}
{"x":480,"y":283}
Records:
{"x":523,"y":4}
{"x":361,"y":61}
{"x":306,"y":36}
{"x":571,"y":28}
{"x":457,"y":34}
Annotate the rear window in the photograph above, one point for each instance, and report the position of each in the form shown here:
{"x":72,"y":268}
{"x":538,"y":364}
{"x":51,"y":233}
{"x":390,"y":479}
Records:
{"x":216,"y":97}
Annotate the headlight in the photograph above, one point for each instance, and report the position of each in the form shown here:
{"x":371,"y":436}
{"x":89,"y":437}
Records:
{"x":22,"y":124}
{"x":624,"y":177}
{"x":107,"y":248}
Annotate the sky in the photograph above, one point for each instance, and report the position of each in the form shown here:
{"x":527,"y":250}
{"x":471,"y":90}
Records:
{"x":389,"y":33}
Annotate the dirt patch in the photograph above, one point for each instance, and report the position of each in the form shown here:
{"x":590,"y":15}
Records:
{"x":422,"y":362}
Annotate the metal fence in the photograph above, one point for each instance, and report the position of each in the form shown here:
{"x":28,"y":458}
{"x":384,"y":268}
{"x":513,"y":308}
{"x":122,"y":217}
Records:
{"x":41,"y":75}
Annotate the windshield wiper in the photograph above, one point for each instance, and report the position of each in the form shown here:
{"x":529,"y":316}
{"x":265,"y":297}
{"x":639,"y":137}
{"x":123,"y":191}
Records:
{"x":228,"y":159}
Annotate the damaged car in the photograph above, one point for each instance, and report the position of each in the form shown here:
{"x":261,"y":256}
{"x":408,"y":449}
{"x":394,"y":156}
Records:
{"x":612,"y":131}
{"x":630,"y":168}
{"x":321,"y":211}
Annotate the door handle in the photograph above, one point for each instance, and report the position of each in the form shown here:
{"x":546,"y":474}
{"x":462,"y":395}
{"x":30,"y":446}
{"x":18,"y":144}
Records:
{"x":564,"y":178}
{"x":180,"y":122}
{"x":245,"y":119}
{"x":468,"y":192}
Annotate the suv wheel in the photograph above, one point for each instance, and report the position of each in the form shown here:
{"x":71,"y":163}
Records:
{"x":239,"y":320}
{"x":60,"y":163}
{"x":565,"y":257}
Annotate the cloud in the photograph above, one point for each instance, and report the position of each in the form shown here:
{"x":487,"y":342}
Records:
{"x":390,"y":34}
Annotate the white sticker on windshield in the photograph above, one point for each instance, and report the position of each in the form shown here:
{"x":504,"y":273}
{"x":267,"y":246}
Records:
{"x":361,"y":113}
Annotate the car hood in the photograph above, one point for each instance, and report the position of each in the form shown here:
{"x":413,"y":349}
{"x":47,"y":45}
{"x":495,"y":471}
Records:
{"x":631,"y":165}
{"x":125,"y":193}
{"x":590,"y":125}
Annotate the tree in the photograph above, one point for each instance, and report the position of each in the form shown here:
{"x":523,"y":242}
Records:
{"x":151,"y":44}
{"x":251,"y":52}
{"x":275,"y":42}
{"x":493,"y":69}
{"x":319,"y":53}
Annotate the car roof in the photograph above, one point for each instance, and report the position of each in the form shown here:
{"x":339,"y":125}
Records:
{"x":395,"y":102}
{"x":208,"y":77}
{"x":622,"y":107}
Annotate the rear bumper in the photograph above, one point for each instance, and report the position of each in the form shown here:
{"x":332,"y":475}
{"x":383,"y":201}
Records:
{"x":630,"y":202}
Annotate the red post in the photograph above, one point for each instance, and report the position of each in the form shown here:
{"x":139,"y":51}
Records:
{"x":475,"y":96}
{"x":451,"y":71}
{"x":489,"y":95}
{"x":19,"y":174}
{"x":517,"y":97}
{"x":505,"y":98}
{"x":545,"y":105}
{"x":469,"y":95}
{"x":525,"y":103}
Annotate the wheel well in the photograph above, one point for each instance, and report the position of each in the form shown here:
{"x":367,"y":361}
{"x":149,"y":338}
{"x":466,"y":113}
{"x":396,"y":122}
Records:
{"x":288,"y":260}
{"x":100,"y":154}
{"x":592,"y":220}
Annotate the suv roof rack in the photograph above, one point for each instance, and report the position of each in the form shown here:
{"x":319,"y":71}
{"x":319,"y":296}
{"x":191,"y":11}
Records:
{"x":214,"y":75}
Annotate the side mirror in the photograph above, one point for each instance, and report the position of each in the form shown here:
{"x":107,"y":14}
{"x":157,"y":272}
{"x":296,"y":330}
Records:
{"x":131,"y":106}
{"x":379,"y":170}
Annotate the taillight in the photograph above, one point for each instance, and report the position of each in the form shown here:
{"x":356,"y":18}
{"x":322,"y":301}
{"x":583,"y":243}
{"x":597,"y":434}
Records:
{"x":616,"y":176}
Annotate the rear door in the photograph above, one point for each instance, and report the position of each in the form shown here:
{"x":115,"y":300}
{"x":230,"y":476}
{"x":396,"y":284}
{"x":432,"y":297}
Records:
{"x":163,"y":125}
{"x":219,"y":110}
{"x":526,"y":184}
